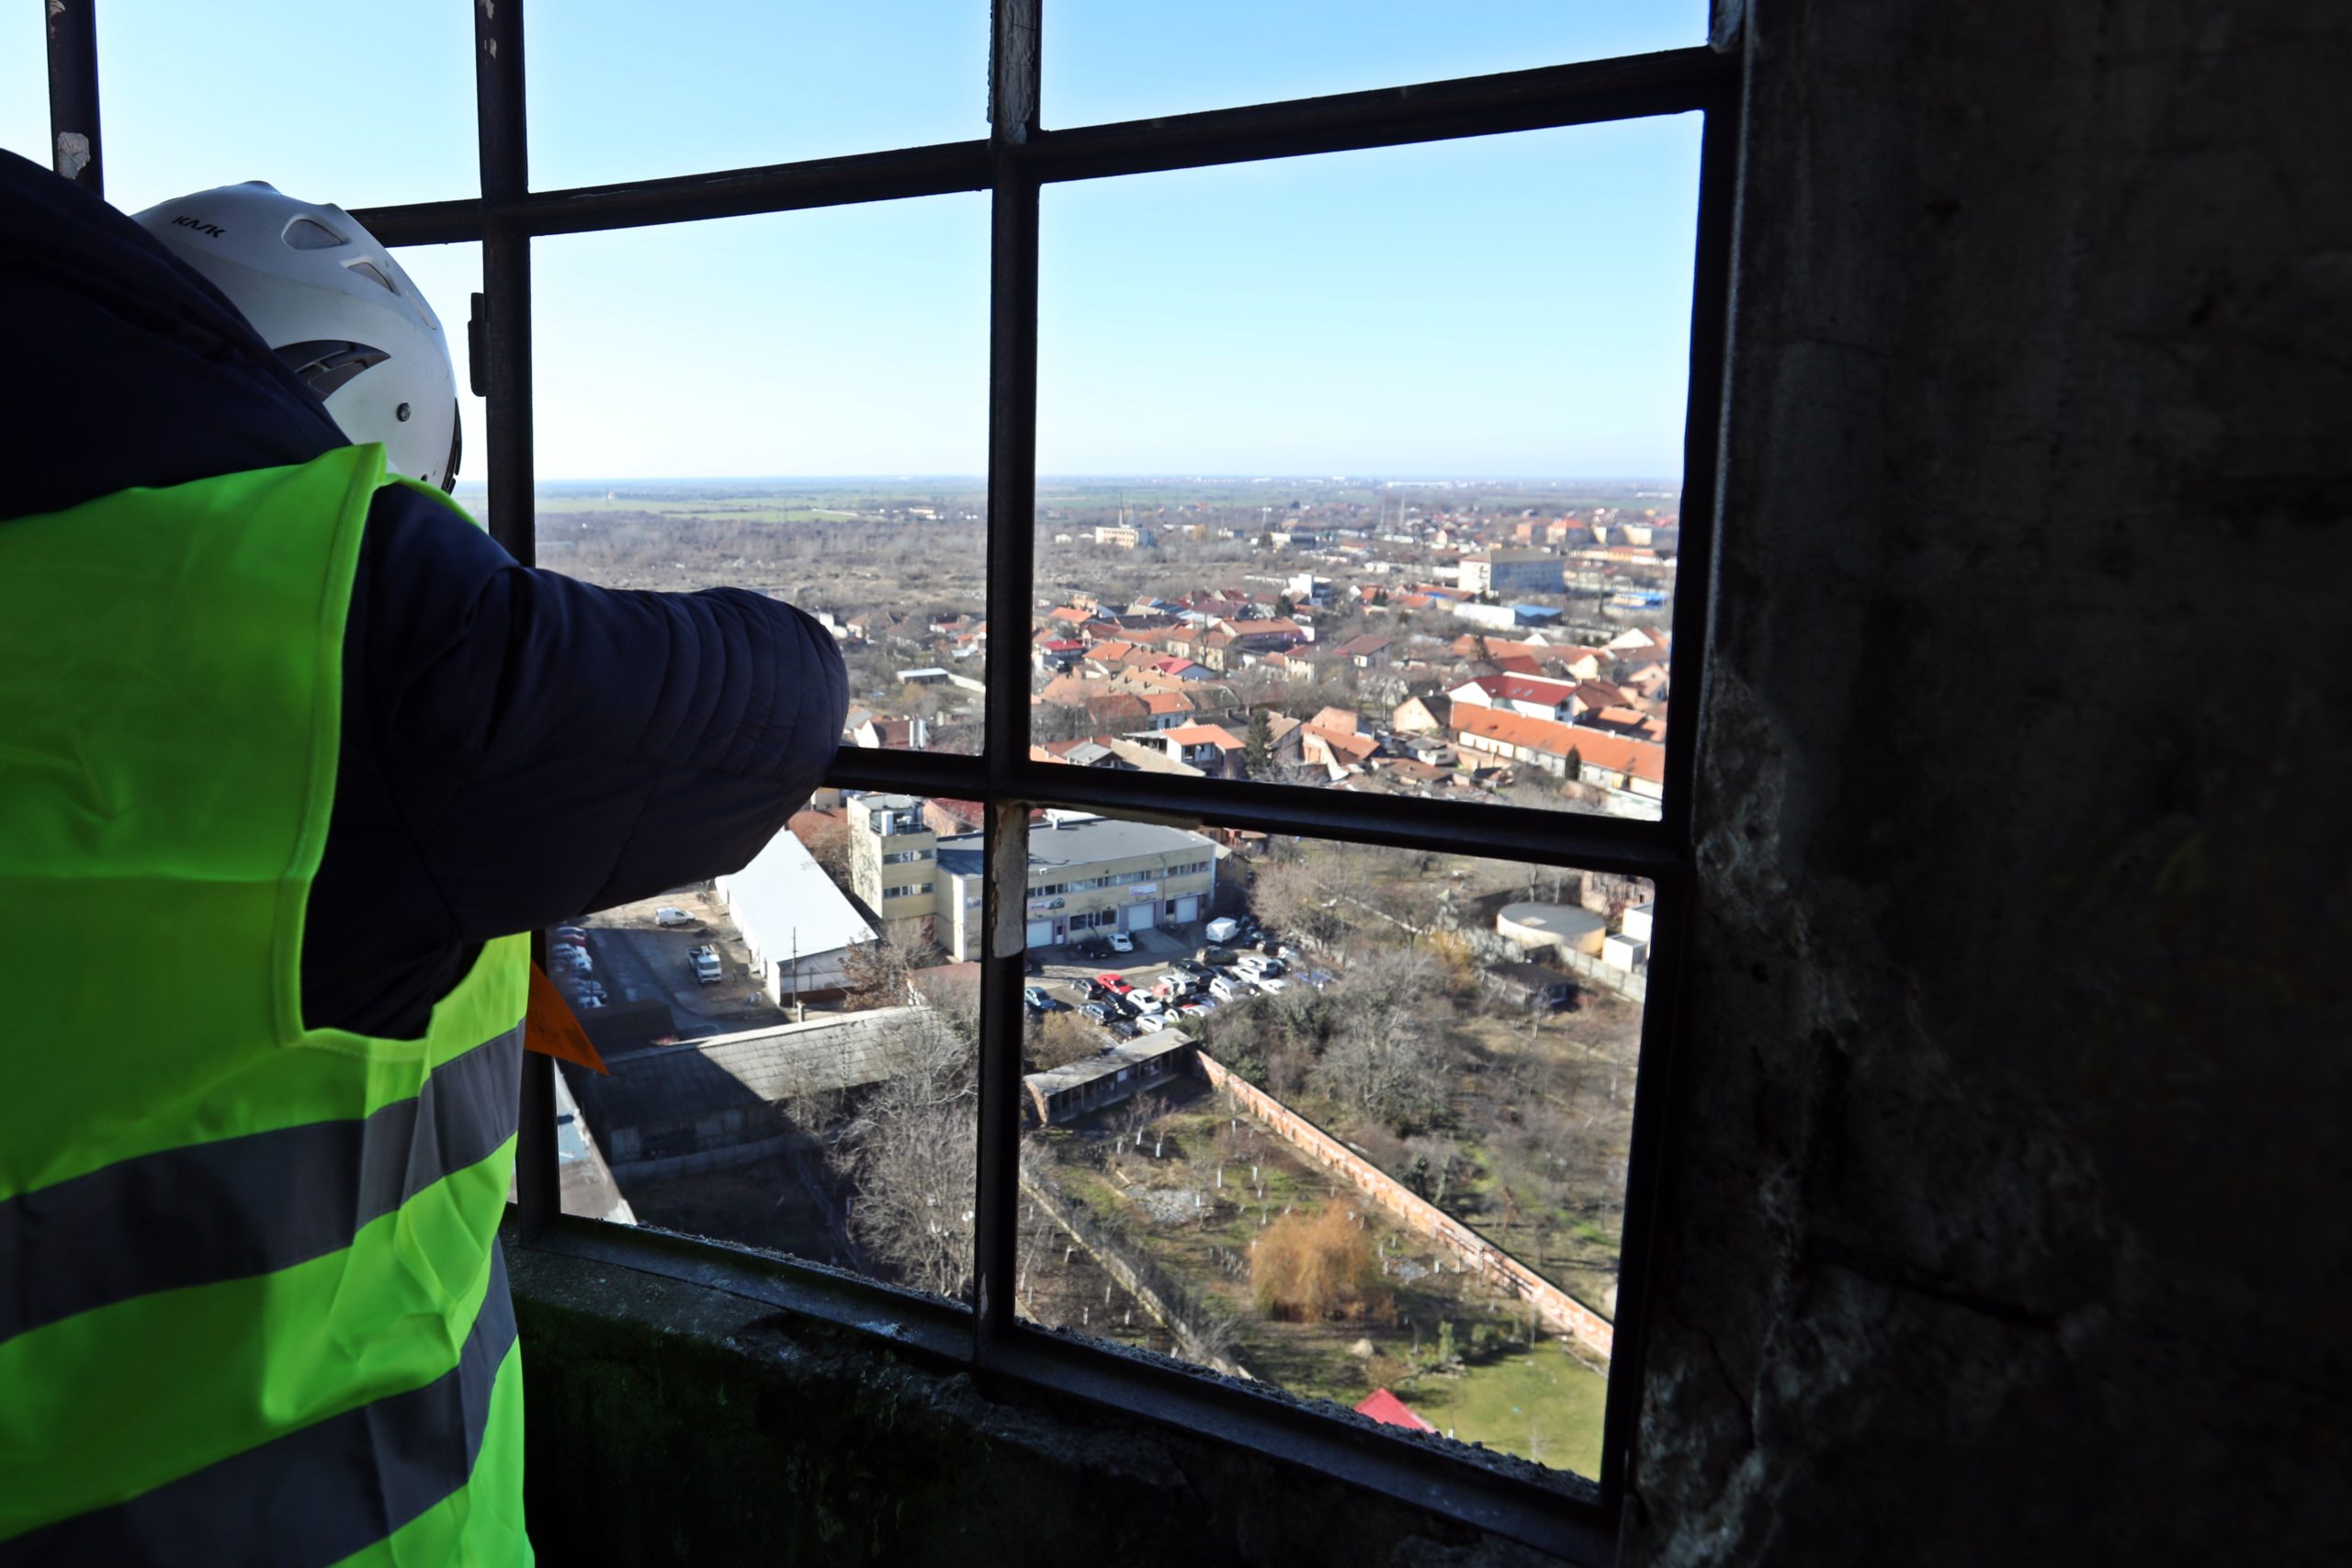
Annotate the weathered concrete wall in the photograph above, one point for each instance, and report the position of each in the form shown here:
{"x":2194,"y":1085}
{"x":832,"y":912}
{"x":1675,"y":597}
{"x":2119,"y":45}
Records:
{"x":672,"y":1424}
{"x":2007,"y":1219}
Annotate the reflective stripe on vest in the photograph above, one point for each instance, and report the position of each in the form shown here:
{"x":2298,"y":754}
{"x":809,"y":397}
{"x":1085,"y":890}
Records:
{"x":251,"y":1306}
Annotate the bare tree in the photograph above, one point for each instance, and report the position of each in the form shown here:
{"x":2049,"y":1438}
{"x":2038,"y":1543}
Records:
{"x":1058,"y":1039}
{"x":910,"y":1151}
{"x":1387,"y":1057}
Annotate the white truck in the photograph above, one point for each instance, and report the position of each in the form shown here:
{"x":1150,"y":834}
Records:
{"x":1224,"y":929}
{"x":706,"y":967}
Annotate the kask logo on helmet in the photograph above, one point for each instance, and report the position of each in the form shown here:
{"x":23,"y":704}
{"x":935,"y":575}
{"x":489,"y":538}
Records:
{"x":202,"y":227}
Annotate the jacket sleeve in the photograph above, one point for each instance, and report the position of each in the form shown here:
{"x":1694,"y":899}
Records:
{"x":555,"y":748}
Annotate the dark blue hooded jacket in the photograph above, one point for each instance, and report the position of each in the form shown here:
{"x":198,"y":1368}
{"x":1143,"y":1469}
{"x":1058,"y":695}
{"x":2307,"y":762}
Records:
{"x":517,"y":748}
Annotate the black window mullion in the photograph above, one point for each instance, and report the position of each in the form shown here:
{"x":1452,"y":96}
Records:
{"x":74,"y":143}
{"x":1013,"y":487}
{"x":1631,"y":87}
{"x":506,"y":325}
{"x":1649,"y":1146}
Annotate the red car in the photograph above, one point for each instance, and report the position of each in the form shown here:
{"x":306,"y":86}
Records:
{"x":1111,"y":982}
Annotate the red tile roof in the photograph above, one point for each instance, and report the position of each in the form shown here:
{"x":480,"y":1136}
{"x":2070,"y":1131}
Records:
{"x":1390,"y":1411}
{"x":1637,"y":759}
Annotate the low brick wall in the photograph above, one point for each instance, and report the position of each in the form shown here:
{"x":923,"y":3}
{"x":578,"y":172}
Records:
{"x":1558,"y":1309}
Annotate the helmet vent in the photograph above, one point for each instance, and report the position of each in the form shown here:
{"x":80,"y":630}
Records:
{"x":308,"y":235}
{"x":368,"y":271}
{"x":325,"y":365}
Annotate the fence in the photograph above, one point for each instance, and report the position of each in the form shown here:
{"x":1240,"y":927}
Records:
{"x":1558,"y":1309}
{"x":1183,"y":1312}
{"x":1625,"y":983}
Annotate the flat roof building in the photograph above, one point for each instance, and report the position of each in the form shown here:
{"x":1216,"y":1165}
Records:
{"x":1067,"y":1092}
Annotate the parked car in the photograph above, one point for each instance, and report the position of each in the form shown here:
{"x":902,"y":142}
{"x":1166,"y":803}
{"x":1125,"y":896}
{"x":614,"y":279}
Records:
{"x":1101,"y":1012}
{"x":575,"y":959}
{"x":1213,"y":955}
{"x":1257,"y":965}
{"x":1145,"y":1006}
{"x":671,"y":915}
{"x":1093,"y":951}
{"x":569,"y":940}
{"x":1269,"y":982}
{"x":573,"y":931}
{"x":1152,"y":1023}
{"x":1113,"y":983}
{"x":704,"y":961}
{"x":1194,"y":1009}
{"x":1123,"y":1005}
{"x":1122,"y":943}
{"x":1223,"y":930}
{"x":1092,"y":991}
{"x":1227,"y":988}
{"x":1194,"y":967}
{"x":1031,"y":964}
{"x":1042,"y":1000}
{"x":1290,"y":955}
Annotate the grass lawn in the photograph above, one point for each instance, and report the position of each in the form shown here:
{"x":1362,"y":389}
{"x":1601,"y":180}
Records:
{"x":1542,"y":1403}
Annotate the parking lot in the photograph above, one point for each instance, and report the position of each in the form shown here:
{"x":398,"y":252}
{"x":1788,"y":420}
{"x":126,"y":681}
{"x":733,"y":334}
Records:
{"x":636,"y":958}
{"x":1064,"y":971}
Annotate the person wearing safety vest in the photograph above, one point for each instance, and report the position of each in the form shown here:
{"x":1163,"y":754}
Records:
{"x":291,"y":756}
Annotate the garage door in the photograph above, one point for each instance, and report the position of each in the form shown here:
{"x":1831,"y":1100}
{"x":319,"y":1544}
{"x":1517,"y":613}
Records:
{"x":1139,"y":917}
{"x":1188,"y":908}
{"x":1041,"y":933}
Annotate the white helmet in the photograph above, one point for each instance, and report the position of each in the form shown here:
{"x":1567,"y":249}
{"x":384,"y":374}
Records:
{"x":336,"y":307}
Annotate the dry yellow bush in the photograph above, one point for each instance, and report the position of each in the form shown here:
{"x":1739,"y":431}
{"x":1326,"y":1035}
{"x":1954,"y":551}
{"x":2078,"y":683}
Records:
{"x":1312,"y":1267}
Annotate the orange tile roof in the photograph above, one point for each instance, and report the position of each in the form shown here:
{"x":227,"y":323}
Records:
{"x":1204,"y":734}
{"x":1637,"y":758}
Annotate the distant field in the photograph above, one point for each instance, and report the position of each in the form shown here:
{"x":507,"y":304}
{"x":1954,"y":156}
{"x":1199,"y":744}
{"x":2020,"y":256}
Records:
{"x":769,"y":501}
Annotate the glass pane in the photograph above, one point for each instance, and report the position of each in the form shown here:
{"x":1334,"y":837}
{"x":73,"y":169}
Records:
{"x":791,"y":1049}
{"x":24,"y":85}
{"x":1106,"y":61}
{"x":795,"y":404}
{"x":1347,"y":1120}
{"x":449,"y":277}
{"x":631,"y":92}
{"x":332,"y":103}
{"x":1366,"y":470}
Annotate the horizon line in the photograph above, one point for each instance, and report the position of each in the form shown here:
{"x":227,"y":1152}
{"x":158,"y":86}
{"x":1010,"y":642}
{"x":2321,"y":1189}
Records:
{"x":1106,"y":478}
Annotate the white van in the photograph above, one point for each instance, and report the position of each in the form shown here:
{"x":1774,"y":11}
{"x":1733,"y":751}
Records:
{"x":1224,"y":929}
{"x":707,"y":969}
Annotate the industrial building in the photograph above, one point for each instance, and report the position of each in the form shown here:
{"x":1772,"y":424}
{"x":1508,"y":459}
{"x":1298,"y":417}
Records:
{"x":1087,"y":875}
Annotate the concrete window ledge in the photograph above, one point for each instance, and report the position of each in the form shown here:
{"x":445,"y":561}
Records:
{"x":676,"y":1421}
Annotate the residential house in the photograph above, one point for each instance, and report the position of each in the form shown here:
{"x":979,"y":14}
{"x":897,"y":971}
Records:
{"x":1532,"y":696}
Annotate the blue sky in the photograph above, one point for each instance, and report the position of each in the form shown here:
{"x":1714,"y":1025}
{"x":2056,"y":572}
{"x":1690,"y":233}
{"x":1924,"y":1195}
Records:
{"x":1510,"y":306}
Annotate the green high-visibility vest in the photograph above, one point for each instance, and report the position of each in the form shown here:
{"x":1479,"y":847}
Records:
{"x":251,"y":1307}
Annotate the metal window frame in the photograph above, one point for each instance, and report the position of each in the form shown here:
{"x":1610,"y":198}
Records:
{"x":1566,"y":1514}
